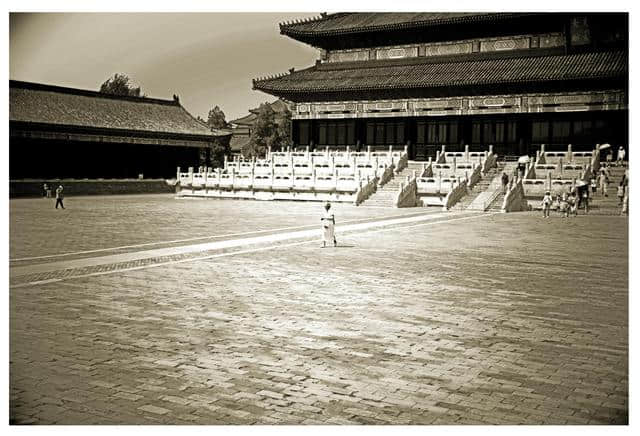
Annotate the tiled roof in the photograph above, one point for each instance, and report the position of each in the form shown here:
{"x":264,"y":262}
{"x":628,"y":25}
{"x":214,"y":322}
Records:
{"x":278,"y":107}
{"x":238,"y":142}
{"x":354,"y":76}
{"x":54,"y":105}
{"x":347,"y":23}
{"x":247,"y":120}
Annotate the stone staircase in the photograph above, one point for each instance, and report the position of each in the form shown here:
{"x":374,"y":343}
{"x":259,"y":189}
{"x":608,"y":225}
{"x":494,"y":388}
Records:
{"x":496,"y":204}
{"x":385,"y":196}
{"x":482,"y":186}
{"x":485,"y":190}
{"x":610,"y":205}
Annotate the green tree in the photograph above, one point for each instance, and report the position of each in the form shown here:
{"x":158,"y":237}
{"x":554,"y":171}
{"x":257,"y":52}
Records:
{"x":283,"y":130}
{"x":120,"y":84}
{"x":216,"y":119}
{"x":213,"y":156}
{"x":269,"y":130}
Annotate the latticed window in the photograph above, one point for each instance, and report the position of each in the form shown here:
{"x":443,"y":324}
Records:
{"x":303,"y":132}
{"x":540,"y":132}
{"x":561,"y":132}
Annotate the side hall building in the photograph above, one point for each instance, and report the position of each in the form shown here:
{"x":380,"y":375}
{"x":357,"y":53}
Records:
{"x":59,"y":132}
{"x":512,"y":80}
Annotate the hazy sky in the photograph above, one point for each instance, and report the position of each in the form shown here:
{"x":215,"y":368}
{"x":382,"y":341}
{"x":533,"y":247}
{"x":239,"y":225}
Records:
{"x":207,"y":59}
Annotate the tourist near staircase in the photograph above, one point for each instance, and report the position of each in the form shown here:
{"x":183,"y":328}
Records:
{"x":487,"y":194}
{"x":385,"y":196}
{"x":610,"y":205}
{"x":495,"y":204}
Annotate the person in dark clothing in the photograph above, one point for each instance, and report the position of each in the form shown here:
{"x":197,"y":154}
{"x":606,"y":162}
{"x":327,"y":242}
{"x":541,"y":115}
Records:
{"x":505,"y":182}
{"x":59,"y":196}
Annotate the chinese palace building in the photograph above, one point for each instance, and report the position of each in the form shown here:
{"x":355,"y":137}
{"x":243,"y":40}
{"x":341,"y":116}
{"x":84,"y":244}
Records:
{"x":512,"y":80}
{"x":241,"y":127}
{"x":59,"y":132}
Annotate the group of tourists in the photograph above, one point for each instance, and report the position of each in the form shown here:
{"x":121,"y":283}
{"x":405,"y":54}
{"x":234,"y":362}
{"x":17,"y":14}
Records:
{"x":47,"y":193}
{"x":620,"y":158}
{"x":568,"y":203}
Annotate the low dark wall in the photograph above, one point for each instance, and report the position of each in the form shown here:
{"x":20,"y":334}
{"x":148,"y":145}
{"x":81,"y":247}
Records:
{"x":33,"y":187}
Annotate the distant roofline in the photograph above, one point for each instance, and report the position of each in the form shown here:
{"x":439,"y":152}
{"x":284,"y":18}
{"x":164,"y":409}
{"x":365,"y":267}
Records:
{"x":293,"y":28}
{"x":19,"y":84}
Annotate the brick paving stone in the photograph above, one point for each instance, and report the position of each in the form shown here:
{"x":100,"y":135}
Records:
{"x":127,"y":396}
{"x":453,"y":323}
{"x":176,"y":400}
{"x":153,"y":409}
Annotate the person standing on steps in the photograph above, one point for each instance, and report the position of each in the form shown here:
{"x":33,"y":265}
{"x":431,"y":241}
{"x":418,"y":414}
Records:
{"x":328,"y":226}
{"x":59,"y":196}
{"x":505,"y":182}
{"x":604,"y":182}
{"x":621,"y":154}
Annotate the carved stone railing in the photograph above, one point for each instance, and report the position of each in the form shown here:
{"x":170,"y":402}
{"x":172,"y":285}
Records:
{"x":491,"y":161}
{"x":408,"y":192}
{"x":367,"y":187}
{"x":474,"y":177}
{"x":514,"y":200}
{"x":386,"y":175}
{"x":540,"y":159}
{"x":587,"y":174}
{"x":455,"y":195}
{"x":530,"y":170}
{"x":427,"y":169}
{"x":403,"y":161}
{"x":595,"y":160}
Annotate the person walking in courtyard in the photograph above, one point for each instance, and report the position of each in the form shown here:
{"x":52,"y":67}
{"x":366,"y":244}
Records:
{"x":45,"y":190}
{"x":564,"y":206}
{"x":573,"y":204}
{"x":594,"y":185}
{"x":328,"y":226}
{"x":59,"y":196}
{"x":585,"y":199}
{"x":621,"y":154}
{"x":505,"y":182}
{"x":546,"y":204}
{"x":604,"y":182}
{"x":621,"y":193}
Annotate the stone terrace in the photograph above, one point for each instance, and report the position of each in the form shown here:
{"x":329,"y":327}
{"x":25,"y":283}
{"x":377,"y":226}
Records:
{"x":504,"y":318}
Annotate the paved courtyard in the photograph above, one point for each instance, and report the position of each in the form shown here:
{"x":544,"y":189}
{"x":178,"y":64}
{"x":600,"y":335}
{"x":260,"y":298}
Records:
{"x":152,"y":316}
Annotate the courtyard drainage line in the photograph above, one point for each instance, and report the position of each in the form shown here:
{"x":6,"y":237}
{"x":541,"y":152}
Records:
{"x":209,"y":246}
{"x":232,"y":253}
{"x":200,"y":238}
